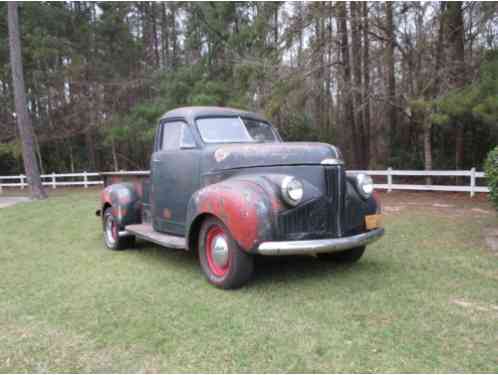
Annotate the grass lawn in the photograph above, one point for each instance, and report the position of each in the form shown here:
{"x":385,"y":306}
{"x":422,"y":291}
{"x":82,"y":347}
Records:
{"x":424,"y":298}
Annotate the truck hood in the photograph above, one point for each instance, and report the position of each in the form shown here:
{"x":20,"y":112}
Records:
{"x":269,"y":154}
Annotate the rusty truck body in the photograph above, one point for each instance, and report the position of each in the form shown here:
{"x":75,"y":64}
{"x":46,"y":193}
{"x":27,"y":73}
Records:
{"x":224,"y":185}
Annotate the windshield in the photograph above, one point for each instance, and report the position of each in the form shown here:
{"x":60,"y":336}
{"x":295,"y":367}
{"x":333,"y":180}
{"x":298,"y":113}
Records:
{"x":235,"y":130}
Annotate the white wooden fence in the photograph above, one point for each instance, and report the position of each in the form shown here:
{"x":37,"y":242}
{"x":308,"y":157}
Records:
{"x":53,"y":180}
{"x":86,"y":179}
{"x":472,"y":187}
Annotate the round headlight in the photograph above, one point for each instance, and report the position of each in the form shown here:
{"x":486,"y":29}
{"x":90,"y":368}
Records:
{"x":292,"y":190}
{"x":365,"y":185}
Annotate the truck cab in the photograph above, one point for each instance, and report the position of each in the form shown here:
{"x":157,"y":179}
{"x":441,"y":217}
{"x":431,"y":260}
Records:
{"x":223,"y":184}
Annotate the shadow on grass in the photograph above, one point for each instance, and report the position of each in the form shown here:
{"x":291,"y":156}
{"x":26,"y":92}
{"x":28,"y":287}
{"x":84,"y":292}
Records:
{"x":284,"y":269}
{"x":295,"y":268}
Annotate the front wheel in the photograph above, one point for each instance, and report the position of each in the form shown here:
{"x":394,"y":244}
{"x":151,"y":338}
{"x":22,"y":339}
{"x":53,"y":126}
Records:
{"x":345,"y":256}
{"x":223,"y":262}
{"x":112,"y":238}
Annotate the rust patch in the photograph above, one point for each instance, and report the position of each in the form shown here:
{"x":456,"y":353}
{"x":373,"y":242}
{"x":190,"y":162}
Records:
{"x":124,"y":198}
{"x":167,"y":213}
{"x":220,"y":155}
{"x":238,"y":213}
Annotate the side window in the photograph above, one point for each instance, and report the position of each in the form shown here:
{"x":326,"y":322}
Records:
{"x":187,"y":140}
{"x":172,"y":132}
{"x":176,"y":135}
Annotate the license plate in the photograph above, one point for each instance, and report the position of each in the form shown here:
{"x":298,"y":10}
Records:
{"x":373,"y":221}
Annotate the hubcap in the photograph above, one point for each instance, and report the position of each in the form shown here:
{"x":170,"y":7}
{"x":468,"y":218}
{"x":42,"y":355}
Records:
{"x":220,"y":251}
{"x":217,"y":251}
{"x":111,"y":231}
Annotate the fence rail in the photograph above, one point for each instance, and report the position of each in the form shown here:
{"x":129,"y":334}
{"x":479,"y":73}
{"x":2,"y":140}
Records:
{"x":471,"y":188}
{"x":87,"y":179}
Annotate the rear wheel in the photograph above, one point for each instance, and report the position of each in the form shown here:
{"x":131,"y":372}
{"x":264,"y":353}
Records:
{"x":223,"y":262}
{"x":346,"y":256}
{"x":112,"y":228}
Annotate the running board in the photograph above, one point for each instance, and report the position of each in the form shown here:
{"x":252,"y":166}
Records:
{"x":146,"y":232}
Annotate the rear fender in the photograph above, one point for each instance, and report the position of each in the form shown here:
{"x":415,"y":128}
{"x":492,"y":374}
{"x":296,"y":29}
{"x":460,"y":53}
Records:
{"x":125,"y":202}
{"x":242,"y":205}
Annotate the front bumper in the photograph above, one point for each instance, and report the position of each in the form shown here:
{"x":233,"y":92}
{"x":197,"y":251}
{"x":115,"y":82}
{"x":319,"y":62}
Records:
{"x":328,"y":245}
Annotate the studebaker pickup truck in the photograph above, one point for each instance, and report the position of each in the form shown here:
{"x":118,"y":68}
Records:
{"x":224,"y":185}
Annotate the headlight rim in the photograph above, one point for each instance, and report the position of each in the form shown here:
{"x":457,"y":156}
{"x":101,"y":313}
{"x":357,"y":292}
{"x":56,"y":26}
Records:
{"x":284,"y":190}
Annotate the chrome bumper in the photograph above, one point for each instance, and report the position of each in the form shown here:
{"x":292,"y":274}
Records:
{"x":328,"y":245}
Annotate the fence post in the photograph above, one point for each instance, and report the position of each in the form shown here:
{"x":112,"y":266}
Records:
{"x":21,"y":177}
{"x":1,"y":187}
{"x":53,"y":180}
{"x":472,"y":181}
{"x":389,"y":179}
{"x":85,"y":179}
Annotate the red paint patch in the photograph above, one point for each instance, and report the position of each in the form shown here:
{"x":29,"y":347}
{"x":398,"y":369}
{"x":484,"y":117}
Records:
{"x":239,"y":214}
{"x":124,"y":199}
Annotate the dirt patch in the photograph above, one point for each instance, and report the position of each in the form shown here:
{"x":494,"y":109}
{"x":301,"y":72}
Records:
{"x":491,"y":238}
{"x":393,"y":208}
{"x":437,"y":203}
{"x":10,"y":201}
{"x":474,"y":306}
{"x":450,"y":205}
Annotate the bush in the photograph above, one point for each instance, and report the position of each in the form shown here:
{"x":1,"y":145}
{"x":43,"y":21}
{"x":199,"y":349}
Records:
{"x":491,"y":169}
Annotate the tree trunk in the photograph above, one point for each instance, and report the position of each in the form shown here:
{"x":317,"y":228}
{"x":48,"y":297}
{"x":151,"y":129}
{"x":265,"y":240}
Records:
{"x":71,"y":157}
{"x":23,"y":118}
{"x":155,"y":39}
{"x":114,"y":155}
{"x":457,"y":73}
{"x":39,"y":155}
{"x":427,"y":124}
{"x":164,"y":36}
{"x":391,"y":82}
{"x":348,"y":99}
{"x":174,"y":35}
{"x":300,"y":29}
{"x":356,"y":55}
{"x":366,"y":84}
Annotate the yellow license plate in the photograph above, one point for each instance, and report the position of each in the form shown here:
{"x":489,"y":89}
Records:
{"x":373,"y":221}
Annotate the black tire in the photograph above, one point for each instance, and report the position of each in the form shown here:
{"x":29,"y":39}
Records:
{"x":238,"y":266}
{"x":112,"y":239}
{"x":346,"y":256}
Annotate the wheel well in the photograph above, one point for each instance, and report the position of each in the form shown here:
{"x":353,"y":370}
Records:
{"x":195,"y":228}
{"x":105,"y":206}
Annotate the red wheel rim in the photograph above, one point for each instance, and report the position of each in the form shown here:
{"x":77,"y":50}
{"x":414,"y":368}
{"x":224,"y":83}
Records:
{"x":214,"y":233}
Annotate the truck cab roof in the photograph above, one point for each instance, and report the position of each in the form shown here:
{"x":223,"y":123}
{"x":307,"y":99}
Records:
{"x":191,"y":113}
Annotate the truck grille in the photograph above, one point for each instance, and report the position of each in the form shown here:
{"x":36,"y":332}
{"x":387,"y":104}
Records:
{"x":335,"y":182}
{"x":320,"y":217}
{"x":308,"y":218}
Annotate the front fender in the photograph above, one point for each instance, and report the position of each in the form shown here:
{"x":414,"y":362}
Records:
{"x":243,"y":205}
{"x":125,"y":202}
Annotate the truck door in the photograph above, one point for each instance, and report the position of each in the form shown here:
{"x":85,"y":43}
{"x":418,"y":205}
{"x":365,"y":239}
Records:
{"x":174,"y":176}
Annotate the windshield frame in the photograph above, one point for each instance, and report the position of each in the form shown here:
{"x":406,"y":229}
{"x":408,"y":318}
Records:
{"x":241,"y":118}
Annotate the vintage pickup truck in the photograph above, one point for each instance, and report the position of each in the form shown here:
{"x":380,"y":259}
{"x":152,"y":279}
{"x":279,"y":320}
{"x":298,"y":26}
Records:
{"x":224,"y":185}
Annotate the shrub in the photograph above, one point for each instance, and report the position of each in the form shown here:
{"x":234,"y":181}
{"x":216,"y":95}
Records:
{"x":491,"y":169}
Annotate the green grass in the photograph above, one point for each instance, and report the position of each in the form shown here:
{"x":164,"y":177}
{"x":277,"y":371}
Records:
{"x":424,"y":298}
